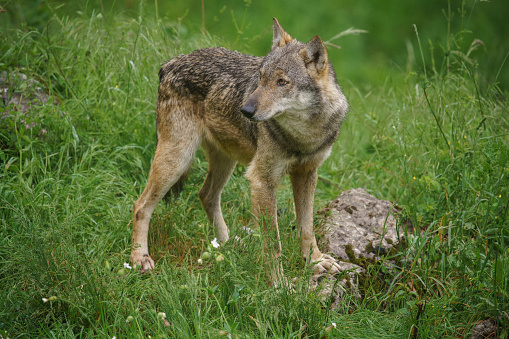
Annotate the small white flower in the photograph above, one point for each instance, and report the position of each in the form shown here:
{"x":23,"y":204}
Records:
{"x":126,"y":265}
{"x":52,"y":298}
{"x":215,"y":243}
{"x":114,"y":337}
{"x":161,"y":315}
{"x":45,"y":300}
{"x":248,"y":230}
{"x":200,"y":261}
{"x":334,"y":325}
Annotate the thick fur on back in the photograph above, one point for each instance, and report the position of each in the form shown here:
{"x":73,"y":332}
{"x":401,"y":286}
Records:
{"x":196,"y":74}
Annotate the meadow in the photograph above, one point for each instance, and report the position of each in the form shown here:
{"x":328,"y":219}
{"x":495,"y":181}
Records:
{"x":433,"y":138}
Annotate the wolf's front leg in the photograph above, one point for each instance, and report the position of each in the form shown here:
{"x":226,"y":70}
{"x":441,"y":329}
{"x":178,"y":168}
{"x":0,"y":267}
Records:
{"x":264,"y":185}
{"x":304,"y":183}
{"x":139,"y":253}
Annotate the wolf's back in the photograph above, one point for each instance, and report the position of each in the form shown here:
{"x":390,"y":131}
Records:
{"x":205,"y":70}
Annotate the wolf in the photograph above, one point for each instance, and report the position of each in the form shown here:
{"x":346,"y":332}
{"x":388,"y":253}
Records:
{"x":279,"y":114}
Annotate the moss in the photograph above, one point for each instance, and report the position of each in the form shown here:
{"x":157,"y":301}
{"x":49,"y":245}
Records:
{"x":361,"y":260}
{"x":369,"y":248}
{"x":349,"y":210}
{"x":349,"y":252}
{"x":375,"y":279}
{"x":398,"y":248}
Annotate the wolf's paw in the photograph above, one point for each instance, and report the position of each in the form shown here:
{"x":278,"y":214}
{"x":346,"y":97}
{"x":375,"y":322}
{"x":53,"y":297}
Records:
{"x":327,"y":264}
{"x":144,"y":260}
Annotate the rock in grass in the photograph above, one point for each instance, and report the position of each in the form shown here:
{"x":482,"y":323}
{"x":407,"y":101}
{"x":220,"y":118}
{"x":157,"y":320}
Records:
{"x":358,"y":227}
{"x":485,"y":329}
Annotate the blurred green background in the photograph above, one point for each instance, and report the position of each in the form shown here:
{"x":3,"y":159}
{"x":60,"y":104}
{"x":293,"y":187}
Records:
{"x":390,"y":45}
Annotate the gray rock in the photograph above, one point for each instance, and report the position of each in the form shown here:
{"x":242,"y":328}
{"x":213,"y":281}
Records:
{"x":356,"y":223}
{"x":27,"y":94}
{"x":22,"y":98}
{"x":485,"y":329}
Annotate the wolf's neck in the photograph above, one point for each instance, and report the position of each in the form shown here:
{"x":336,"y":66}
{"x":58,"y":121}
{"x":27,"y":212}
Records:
{"x":302,"y":136}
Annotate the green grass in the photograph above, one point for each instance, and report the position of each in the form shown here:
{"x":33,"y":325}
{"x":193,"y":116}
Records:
{"x":436,"y":143}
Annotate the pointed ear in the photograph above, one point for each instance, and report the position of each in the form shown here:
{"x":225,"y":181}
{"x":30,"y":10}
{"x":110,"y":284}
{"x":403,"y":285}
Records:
{"x":315,"y":53}
{"x":280,"y":38}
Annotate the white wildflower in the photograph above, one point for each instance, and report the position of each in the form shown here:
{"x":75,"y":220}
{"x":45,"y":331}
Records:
{"x":248,"y":230}
{"x":161,"y":315}
{"x":126,"y":265}
{"x":52,"y":298}
{"x":215,"y":243}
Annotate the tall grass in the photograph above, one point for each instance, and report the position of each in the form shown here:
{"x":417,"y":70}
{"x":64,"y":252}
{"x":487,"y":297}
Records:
{"x":436,"y":145}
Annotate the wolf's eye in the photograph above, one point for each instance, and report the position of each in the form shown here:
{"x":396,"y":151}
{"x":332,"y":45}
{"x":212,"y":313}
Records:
{"x":281,"y":82}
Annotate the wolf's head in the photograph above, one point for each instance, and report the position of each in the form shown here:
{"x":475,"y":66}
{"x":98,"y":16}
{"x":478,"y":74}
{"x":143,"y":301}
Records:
{"x":294,"y":79}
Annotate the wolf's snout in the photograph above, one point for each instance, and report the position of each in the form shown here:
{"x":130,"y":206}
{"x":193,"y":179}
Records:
{"x":249,"y":109}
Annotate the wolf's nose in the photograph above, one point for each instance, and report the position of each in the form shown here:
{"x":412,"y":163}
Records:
{"x":249,"y":109}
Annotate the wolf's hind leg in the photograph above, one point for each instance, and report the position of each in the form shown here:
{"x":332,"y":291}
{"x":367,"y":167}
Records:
{"x":172,"y":159}
{"x":220,"y":170}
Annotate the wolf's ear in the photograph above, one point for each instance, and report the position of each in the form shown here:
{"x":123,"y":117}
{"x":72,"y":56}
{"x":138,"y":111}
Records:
{"x":315,"y":53}
{"x":280,"y":38}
